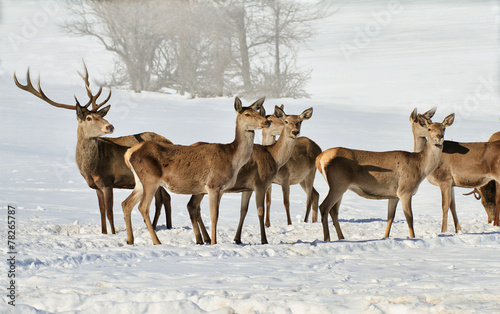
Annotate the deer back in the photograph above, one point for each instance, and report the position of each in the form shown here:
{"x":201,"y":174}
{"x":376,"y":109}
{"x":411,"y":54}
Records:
{"x":302,"y":160}
{"x":466,"y":164}
{"x":185,"y":169}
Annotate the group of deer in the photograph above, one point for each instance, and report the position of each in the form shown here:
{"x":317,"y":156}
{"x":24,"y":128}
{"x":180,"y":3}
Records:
{"x":396,"y":175}
{"x":149,"y":163}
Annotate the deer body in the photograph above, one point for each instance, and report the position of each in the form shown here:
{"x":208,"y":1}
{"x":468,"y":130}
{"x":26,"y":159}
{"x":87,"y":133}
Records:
{"x":467,"y":165}
{"x":459,"y":156}
{"x":393,"y":175}
{"x":202,"y":169}
{"x":100,"y":161}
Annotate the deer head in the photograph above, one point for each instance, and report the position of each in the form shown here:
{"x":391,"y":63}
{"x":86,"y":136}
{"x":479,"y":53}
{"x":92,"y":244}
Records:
{"x":250,"y":117}
{"x":292,"y":123}
{"x":435,"y":130}
{"x":276,"y":124}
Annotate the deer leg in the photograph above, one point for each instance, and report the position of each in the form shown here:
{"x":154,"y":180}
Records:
{"x":214,"y":196}
{"x":497,"y":202}
{"x":406,"y":203}
{"x":268,"y":206}
{"x":454,"y":211}
{"x":285,"y":186}
{"x":259,"y":199}
{"x":245,"y":201}
{"x":144,"y":205}
{"x":167,"y":200}
{"x":315,"y":204}
{"x":108,"y":202}
{"x":391,"y":212}
{"x":306,"y":185}
{"x":102,"y":209}
{"x":334,"y":213}
{"x":308,"y":200}
{"x":445,"y":205}
{"x":331,"y":199}
{"x":158,"y":203}
{"x":127,"y":205}
{"x":193,"y":207}
{"x":204,"y":232}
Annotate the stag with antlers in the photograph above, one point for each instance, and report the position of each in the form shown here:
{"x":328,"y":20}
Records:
{"x":100,"y":160}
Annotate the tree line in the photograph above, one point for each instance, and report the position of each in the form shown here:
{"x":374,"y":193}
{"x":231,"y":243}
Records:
{"x":204,"y":48}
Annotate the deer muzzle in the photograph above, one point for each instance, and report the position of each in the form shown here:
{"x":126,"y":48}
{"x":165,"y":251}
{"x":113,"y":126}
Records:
{"x":110,"y":128}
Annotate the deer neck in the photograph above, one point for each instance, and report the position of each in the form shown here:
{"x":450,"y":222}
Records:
{"x":243,"y":146}
{"x":268,"y":139}
{"x":419,"y":144}
{"x":431,"y":155}
{"x":87,"y":152}
{"x":282,"y":149}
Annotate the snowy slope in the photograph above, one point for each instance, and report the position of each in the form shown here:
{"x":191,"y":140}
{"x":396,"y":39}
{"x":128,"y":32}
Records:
{"x":431,"y":53}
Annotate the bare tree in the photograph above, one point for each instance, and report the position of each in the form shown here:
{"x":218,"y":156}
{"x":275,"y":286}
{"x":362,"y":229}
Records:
{"x":129,"y":28}
{"x":202,"y":47}
{"x":286,"y":26}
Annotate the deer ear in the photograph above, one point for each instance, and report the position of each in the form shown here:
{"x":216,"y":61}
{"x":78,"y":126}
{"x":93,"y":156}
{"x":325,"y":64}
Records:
{"x":256,"y":105}
{"x":422,"y":120}
{"x":104,"y":111}
{"x":430,"y":113}
{"x":237,"y":105}
{"x":307,"y":114}
{"x":81,"y":112}
{"x":262,"y":111}
{"x":414,"y":116}
{"x":449,"y":120}
{"x":279,"y":113}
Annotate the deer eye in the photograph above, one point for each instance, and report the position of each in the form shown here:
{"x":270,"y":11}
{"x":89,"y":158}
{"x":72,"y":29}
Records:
{"x":89,"y":118}
{"x":429,"y":129}
{"x":247,"y":114}
{"x":286,"y":122}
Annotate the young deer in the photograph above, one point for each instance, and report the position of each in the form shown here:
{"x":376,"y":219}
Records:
{"x":393,"y":175}
{"x":300,"y":168}
{"x":202,"y":169}
{"x":100,"y":160}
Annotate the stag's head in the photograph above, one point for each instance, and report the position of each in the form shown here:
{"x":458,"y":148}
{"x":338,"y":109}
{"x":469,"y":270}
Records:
{"x":292,"y":123}
{"x":91,"y":121}
{"x":93,"y":124}
{"x":250,"y":118}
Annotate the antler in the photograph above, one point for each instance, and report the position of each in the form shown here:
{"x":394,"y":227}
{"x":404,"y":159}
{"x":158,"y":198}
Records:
{"x":93,"y":98}
{"x":39,"y":93}
{"x":476,"y":194}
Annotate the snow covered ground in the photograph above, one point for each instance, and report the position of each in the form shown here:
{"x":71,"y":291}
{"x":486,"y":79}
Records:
{"x":366,"y":81}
